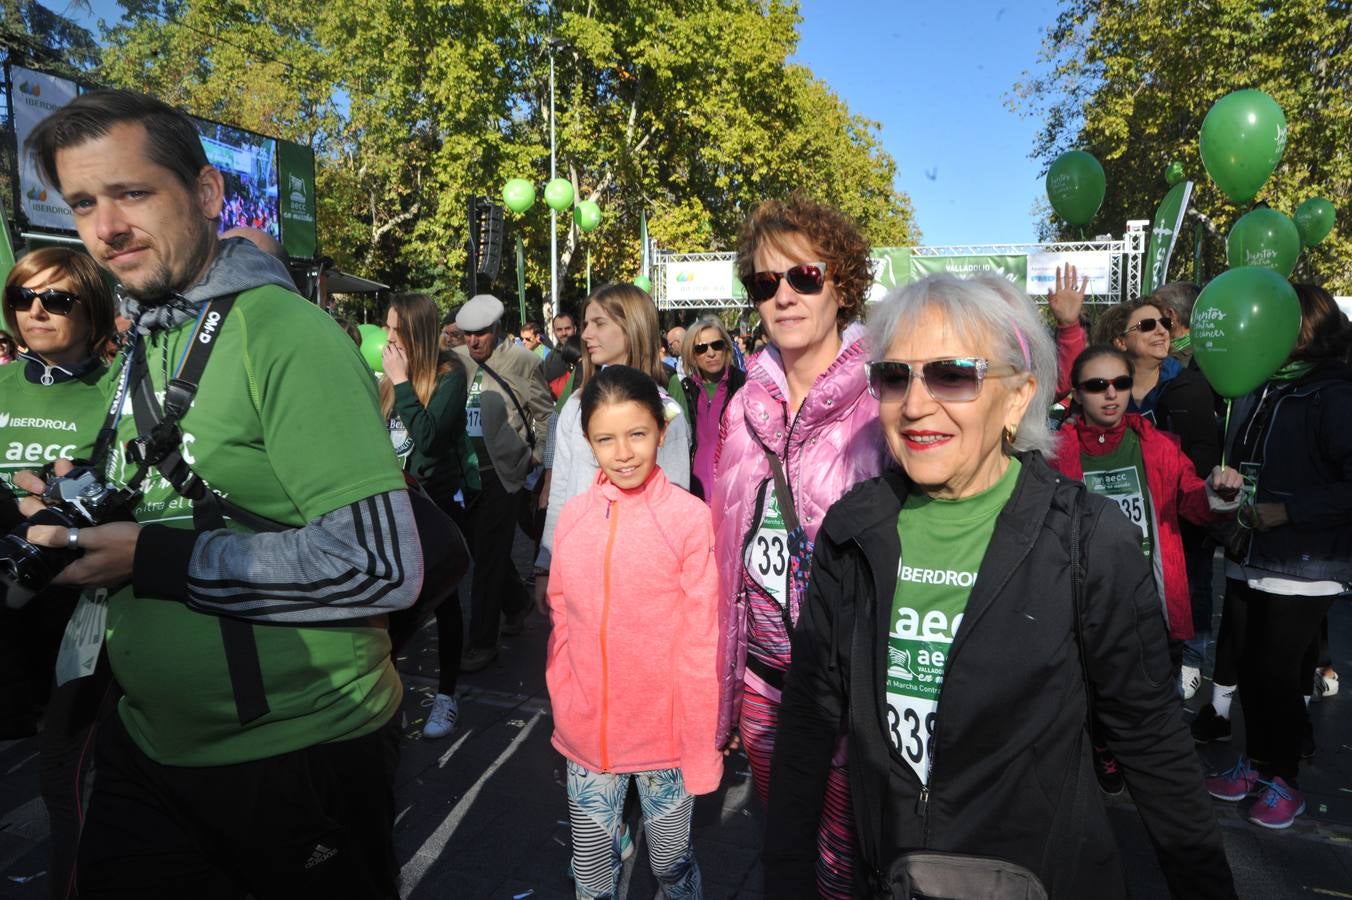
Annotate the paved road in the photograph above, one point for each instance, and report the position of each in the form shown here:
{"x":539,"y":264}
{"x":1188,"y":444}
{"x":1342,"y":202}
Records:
{"x":482,"y":813}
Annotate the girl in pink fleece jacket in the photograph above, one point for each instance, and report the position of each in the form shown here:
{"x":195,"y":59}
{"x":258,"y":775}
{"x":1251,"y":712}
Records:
{"x":633,"y":655}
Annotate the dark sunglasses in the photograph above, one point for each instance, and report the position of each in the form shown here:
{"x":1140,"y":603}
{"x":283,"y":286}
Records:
{"x":1146,"y":325}
{"x":805,"y":278}
{"x":947,"y":380}
{"x":1100,"y":385}
{"x":58,"y":303}
{"x":716,"y":346}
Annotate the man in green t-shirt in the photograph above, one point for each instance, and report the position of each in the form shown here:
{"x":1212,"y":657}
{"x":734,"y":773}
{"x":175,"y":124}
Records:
{"x":253,"y":748}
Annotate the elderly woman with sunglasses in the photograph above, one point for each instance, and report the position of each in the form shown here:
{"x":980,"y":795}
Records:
{"x":963,"y":615}
{"x":799,"y":434}
{"x":710,"y":384}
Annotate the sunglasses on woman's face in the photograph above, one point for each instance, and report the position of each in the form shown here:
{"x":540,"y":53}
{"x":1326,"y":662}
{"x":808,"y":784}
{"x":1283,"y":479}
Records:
{"x":1100,"y":385}
{"x":947,"y":380}
{"x":1147,"y":325}
{"x":716,"y":346}
{"x":58,"y":303}
{"x":805,"y":278}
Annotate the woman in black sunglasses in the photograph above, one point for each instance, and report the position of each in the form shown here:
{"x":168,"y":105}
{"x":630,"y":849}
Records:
{"x":52,"y":405}
{"x":710,"y":384}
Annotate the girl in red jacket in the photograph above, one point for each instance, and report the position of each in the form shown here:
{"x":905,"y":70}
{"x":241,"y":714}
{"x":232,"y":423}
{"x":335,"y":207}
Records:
{"x":1144,"y":470}
{"x":633,"y":655}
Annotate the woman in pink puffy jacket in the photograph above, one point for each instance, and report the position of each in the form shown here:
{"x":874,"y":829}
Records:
{"x":801,"y":432}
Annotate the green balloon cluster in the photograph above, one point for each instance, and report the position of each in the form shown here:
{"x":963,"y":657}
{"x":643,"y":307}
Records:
{"x":559,"y":194}
{"x":1242,"y":140}
{"x":1244,"y":327}
{"x":1264,"y":238}
{"x":1173,"y":173}
{"x":644,"y":283}
{"x":373,"y":340}
{"x":1314,"y":220}
{"x":518,"y":195}
{"x":1075,"y":186}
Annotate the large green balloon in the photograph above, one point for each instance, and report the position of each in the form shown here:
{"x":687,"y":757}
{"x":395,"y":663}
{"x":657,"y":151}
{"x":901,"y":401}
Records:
{"x":587,"y":215}
{"x":1314,"y":220}
{"x":1242,"y":140}
{"x":1173,"y":173}
{"x":1075,"y":186}
{"x":518,"y":194}
{"x":1265,"y":238}
{"x":644,"y":283}
{"x":373,"y":340}
{"x":559,"y":194}
{"x":1244,"y":326}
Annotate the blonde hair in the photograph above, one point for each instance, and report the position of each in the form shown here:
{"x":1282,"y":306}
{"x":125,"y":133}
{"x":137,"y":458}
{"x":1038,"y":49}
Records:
{"x":87,"y":283}
{"x":692,"y":337}
{"x":419,"y":333}
{"x":636,"y":315}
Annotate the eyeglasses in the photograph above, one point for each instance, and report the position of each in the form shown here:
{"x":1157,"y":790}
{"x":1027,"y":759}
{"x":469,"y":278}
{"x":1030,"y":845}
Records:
{"x":947,"y":380}
{"x":1148,"y":325}
{"x":58,"y":303}
{"x":1100,"y":385}
{"x":805,"y":278}
{"x":716,"y":346}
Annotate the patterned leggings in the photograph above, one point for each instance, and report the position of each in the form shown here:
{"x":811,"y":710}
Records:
{"x":835,"y":834}
{"x":596,"y":815}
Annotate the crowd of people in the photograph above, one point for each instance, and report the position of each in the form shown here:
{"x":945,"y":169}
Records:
{"x":940,"y":569}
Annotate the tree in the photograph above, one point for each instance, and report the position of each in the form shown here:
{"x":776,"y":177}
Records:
{"x":1131,"y":83}
{"x":37,"y":35}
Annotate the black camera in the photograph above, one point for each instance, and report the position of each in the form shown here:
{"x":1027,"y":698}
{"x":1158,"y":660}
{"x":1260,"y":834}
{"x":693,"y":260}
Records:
{"x":79,"y":499}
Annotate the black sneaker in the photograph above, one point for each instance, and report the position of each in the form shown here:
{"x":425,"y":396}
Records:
{"x":1209,"y":727}
{"x":1109,"y":776}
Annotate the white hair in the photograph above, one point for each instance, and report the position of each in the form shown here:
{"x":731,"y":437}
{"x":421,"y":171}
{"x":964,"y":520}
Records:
{"x":987,"y":312}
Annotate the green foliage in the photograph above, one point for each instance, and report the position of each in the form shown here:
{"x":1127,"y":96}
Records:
{"x":1132,"y":82}
{"x":689,"y":110}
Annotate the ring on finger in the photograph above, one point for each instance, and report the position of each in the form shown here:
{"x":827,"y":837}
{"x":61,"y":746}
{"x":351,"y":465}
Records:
{"x":72,"y":538}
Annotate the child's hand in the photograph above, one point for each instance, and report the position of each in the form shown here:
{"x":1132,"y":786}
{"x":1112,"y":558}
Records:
{"x":734,"y":743}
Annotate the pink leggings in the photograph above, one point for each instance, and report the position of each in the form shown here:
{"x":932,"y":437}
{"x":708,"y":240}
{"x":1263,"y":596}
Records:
{"x":835,"y":834}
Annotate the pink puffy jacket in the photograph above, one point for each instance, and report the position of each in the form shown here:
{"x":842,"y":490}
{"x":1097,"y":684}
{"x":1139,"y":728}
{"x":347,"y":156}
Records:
{"x":834,"y":443}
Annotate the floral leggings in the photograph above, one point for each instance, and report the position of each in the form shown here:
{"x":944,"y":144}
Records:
{"x":596,"y":817}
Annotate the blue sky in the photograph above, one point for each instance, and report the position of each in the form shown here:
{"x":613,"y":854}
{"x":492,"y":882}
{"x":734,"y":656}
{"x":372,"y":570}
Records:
{"x":935,"y":77}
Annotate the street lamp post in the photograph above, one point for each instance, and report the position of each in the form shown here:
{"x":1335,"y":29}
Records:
{"x":553,"y":214}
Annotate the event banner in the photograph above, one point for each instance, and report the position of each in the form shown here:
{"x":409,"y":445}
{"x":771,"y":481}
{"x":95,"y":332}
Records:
{"x":1097,"y":264}
{"x":297,"y":164}
{"x":1013,"y":267}
{"x":34,"y":96}
{"x":702,"y":280}
{"x":1168,"y":221}
{"x":891,"y":267}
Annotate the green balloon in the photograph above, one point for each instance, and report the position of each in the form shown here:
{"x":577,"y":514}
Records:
{"x":1173,"y":173}
{"x":1242,"y":140}
{"x":373,"y":340}
{"x":587,"y":215}
{"x":644,"y":283}
{"x":559,"y":194}
{"x":1244,"y":327}
{"x":1075,"y":186}
{"x":1314,"y":220}
{"x":1265,"y":238}
{"x":518,"y":195}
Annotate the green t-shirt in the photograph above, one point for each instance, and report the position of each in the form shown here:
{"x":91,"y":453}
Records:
{"x":40,"y":423}
{"x":1120,"y":476}
{"x":942,"y":545}
{"x":286,"y":424}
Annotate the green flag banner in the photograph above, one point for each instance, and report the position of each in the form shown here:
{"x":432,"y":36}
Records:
{"x":891,"y":267}
{"x":1168,"y":220}
{"x":296,"y":165}
{"x":6,"y":248}
{"x":521,"y":278}
{"x":1013,"y":267}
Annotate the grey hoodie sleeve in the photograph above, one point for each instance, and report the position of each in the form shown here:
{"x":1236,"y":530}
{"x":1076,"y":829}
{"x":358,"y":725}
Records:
{"x":355,"y":562}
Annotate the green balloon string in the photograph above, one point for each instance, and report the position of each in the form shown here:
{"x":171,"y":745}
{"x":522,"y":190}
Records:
{"x":1226,"y":431}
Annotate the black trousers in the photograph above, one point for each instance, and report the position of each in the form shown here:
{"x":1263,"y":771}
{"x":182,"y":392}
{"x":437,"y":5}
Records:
{"x":317,"y":822}
{"x":1272,"y":679}
{"x":497,"y":588}
{"x":1234,"y":626}
{"x":450,"y":618}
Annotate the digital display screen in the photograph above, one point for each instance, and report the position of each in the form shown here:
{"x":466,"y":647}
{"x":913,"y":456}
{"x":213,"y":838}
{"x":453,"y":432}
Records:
{"x":248,"y":162}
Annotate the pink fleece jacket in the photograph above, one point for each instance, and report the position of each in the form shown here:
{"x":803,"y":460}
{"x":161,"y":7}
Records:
{"x":632,"y":666}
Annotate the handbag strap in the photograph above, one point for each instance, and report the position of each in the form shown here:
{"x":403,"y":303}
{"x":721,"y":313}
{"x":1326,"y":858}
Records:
{"x":520,"y":410}
{"x":782,"y":492}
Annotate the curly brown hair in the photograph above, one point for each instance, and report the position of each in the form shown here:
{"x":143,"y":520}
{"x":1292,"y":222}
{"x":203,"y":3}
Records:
{"x":827,"y":230}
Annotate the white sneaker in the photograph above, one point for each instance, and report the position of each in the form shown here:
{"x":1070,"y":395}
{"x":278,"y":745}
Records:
{"x":441,"y":720}
{"x":1325,"y":683}
{"x":1189,"y":681}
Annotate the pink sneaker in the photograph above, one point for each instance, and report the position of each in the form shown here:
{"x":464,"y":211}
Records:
{"x":1278,"y":805}
{"x":1234,"y":785}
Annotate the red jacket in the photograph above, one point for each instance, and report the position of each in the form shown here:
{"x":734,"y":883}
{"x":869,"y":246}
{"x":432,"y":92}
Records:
{"x":1175,"y":490}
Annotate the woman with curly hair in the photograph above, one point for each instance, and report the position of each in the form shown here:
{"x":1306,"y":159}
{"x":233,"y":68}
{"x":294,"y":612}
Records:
{"x":801,"y":432}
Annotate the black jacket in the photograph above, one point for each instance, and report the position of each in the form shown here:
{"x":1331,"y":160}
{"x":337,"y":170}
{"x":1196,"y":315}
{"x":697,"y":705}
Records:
{"x":1187,"y":408}
{"x":1306,"y":455}
{"x":693,"y":388}
{"x":1012,"y":774}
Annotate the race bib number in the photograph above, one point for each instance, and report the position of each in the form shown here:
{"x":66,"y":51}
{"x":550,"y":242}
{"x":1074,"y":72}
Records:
{"x":474,"y":425}
{"x":1123,"y":487}
{"x":403,"y":444}
{"x":767,"y":555}
{"x":917,"y":651}
{"x":80,"y":645}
